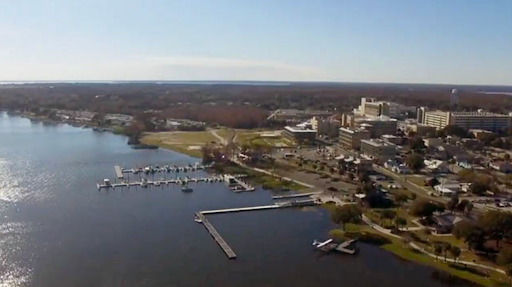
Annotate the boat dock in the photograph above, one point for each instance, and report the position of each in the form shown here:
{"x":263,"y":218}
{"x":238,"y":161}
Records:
{"x":201,"y":218}
{"x":162,"y":169}
{"x":236,"y":184}
{"x":145,"y":183}
{"x":119,"y":172}
{"x":213,"y":232}
{"x":240,"y":209}
{"x":328,"y":246}
{"x":296,"y":195}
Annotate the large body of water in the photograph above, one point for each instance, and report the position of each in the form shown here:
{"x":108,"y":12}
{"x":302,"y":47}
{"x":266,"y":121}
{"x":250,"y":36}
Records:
{"x":57,"y":229}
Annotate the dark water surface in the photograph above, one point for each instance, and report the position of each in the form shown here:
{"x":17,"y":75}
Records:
{"x":57,"y":229}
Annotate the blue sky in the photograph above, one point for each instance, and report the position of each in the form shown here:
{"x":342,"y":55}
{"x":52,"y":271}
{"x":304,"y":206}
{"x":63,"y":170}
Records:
{"x":419,"y":41}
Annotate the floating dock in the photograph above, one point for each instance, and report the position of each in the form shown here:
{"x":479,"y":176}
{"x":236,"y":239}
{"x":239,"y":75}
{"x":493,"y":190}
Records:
{"x":222,"y":243}
{"x":146,"y":183}
{"x":119,"y":172}
{"x":329,"y":246}
{"x":164,"y":169}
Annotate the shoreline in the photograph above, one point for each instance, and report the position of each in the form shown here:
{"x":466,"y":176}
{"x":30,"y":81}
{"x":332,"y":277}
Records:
{"x":396,"y":246}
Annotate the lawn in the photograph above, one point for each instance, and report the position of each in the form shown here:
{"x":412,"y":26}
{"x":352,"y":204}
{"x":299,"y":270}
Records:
{"x":184,"y":142}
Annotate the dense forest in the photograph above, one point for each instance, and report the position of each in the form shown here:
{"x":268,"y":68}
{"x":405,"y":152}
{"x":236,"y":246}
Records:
{"x":237,"y":105}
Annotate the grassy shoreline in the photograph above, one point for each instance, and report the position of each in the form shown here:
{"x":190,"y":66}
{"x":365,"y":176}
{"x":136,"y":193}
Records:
{"x":405,"y":252}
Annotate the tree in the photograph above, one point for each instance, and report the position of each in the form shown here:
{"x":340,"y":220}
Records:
{"x":455,"y":252}
{"x":469,"y":208}
{"x":504,"y":256}
{"x":508,"y":270}
{"x":416,"y":143}
{"x":495,"y":224}
{"x":415,"y":161}
{"x":463,"y":229}
{"x":400,"y":199}
{"x":478,"y":188}
{"x":387,"y":214}
{"x":423,"y":208}
{"x":452,"y":204}
{"x":433,"y":182}
{"x":453,"y":130}
{"x":461,"y":207}
{"x":438,"y":249}
{"x":446,"y":248}
{"x":349,"y":213}
{"x":400,"y":222}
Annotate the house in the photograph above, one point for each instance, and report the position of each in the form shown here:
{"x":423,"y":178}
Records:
{"x":501,"y":166}
{"x":436,"y":165}
{"x":456,"y":152}
{"x":444,"y":222}
{"x":433,"y":142}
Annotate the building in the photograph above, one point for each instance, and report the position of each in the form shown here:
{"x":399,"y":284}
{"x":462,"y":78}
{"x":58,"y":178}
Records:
{"x":501,"y":166}
{"x":480,"y":120}
{"x":378,"y":149}
{"x":377,"y":126}
{"x":370,"y":107}
{"x":296,"y":116}
{"x":300,"y":134}
{"x":351,"y":138}
{"x":467,"y":120}
{"x":326,"y":126}
{"x":433,"y":142}
{"x":437,"y":119}
{"x":392,"y":139}
{"x":479,"y":133}
{"x":436,"y":166}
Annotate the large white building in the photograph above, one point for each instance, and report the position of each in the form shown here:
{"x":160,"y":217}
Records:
{"x":467,"y":120}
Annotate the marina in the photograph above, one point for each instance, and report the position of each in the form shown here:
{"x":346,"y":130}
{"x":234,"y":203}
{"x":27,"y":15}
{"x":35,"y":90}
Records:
{"x":159,"y":169}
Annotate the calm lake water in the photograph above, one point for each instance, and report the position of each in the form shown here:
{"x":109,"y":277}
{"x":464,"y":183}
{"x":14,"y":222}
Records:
{"x":57,"y":229}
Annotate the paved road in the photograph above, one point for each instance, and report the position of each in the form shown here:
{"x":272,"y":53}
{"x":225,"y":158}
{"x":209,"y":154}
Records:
{"x":410,"y":186}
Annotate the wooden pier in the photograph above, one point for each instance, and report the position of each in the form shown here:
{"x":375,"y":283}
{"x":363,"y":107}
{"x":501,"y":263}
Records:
{"x":222,"y":243}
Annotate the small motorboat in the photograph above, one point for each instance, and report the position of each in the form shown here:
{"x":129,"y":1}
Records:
{"x":187,"y":188}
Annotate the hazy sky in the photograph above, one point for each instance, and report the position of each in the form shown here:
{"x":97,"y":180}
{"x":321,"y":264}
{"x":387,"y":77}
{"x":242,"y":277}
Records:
{"x":427,"y":41}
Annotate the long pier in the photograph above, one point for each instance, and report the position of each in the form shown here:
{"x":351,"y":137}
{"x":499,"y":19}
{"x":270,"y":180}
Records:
{"x":222,"y":243}
{"x":201,"y":218}
{"x":240,"y":209}
{"x":296,"y":195}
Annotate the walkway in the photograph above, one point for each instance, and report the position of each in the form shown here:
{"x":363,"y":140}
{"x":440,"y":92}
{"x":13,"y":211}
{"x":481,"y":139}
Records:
{"x":413,"y":245}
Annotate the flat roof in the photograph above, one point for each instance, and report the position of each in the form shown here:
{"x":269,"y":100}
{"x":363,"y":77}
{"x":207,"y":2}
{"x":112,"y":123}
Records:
{"x":299,"y":130}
